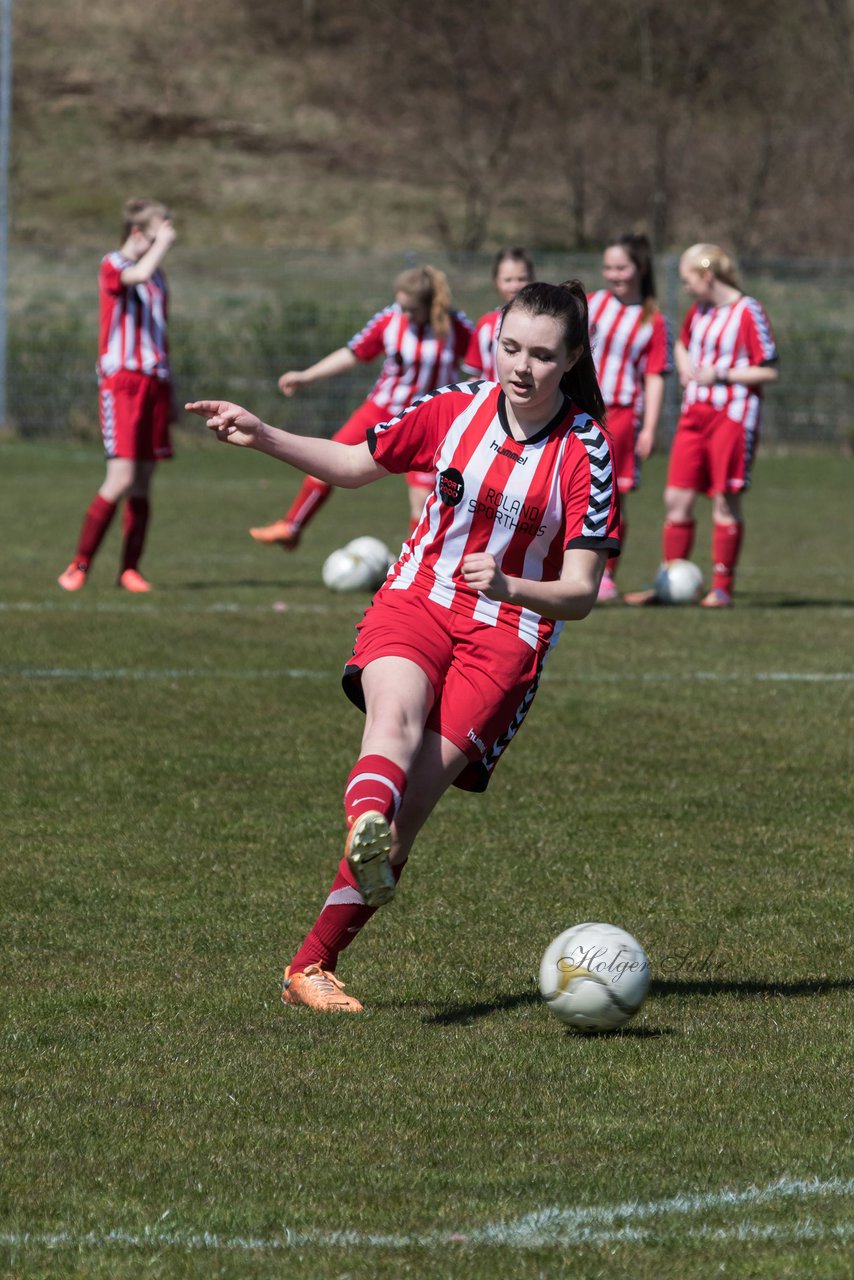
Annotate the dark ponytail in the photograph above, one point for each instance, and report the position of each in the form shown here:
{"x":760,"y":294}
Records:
{"x":567,"y":303}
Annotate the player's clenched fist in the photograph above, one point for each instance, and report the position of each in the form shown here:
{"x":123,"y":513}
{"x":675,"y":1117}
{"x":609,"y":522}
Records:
{"x":481,"y":572}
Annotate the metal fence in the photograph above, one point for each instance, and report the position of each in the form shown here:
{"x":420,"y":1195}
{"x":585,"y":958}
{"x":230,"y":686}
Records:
{"x":241,"y":317}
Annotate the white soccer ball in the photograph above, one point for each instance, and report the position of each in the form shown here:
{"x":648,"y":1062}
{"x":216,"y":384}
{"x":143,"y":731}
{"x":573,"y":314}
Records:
{"x":680,"y":582}
{"x":360,"y":566}
{"x":594,"y":977}
{"x":376,"y":553}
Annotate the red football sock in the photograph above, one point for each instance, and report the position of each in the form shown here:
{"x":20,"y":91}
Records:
{"x":135,"y":522}
{"x":96,"y":522}
{"x":726,"y":544}
{"x":678,"y":539}
{"x":375,"y":782}
{"x":310,"y":498}
{"x":344,"y":914}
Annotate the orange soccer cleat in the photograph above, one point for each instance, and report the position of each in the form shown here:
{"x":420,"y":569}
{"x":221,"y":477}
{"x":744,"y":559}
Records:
{"x":280,"y":532}
{"x":133,"y":581}
{"x":74,"y":576}
{"x":316,"y":988}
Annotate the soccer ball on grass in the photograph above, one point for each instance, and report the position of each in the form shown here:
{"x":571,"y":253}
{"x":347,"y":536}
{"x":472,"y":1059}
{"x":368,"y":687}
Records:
{"x":680,"y":582}
{"x":360,"y":566}
{"x":594,"y":977}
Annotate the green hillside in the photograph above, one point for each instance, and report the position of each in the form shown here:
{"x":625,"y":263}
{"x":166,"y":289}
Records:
{"x":328,"y":123}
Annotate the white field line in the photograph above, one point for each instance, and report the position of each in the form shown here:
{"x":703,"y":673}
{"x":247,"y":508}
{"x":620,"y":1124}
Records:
{"x":588,"y":1225}
{"x":300,"y":673}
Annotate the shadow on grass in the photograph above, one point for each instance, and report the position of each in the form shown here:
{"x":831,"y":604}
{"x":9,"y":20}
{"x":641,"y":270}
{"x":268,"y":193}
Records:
{"x":769,"y":988}
{"x":456,"y":1015}
{"x":221,"y":584}
{"x":796,"y":602}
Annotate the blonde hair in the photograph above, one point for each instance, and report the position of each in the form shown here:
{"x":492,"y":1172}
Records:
{"x":428,"y":287}
{"x":140,"y":213}
{"x":711,"y":257}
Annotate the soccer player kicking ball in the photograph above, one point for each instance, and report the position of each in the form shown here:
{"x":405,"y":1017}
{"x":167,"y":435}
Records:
{"x":134,"y":389}
{"x":512,"y":542}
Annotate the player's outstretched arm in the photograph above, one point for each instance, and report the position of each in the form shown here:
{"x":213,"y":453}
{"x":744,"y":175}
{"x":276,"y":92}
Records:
{"x":339,"y":361}
{"x":346,"y":465}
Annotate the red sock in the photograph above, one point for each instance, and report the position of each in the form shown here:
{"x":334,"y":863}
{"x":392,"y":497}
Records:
{"x":677,"y":539}
{"x":344,"y":914}
{"x":96,"y":522}
{"x":135,"y":524}
{"x":726,"y":544}
{"x":375,"y":782}
{"x":310,"y":498}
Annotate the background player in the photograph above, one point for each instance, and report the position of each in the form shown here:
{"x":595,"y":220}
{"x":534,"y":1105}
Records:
{"x":423,"y":340}
{"x":632,"y":347}
{"x":134,"y":389}
{"x":515,"y":534}
{"x":725,"y":355}
{"x":512,"y":269}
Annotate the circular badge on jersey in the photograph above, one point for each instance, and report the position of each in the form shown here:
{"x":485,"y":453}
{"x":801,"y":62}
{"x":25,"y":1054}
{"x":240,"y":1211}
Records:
{"x":451,"y":487}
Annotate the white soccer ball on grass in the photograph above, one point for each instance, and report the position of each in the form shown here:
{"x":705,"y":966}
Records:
{"x":680,"y":582}
{"x":594,"y":976}
{"x":360,"y":566}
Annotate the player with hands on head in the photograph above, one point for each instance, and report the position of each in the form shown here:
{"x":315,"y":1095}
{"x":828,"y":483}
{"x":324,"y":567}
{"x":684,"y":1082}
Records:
{"x":512,"y":269}
{"x":134,"y":389}
{"x":422,"y":339}
{"x":633,"y":350}
{"x":512,"y":542}
{"x":725,"y":356}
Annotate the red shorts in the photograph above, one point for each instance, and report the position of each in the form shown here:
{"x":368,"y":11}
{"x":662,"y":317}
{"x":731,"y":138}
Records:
{"x":484,"y":677}
{"x":623,"y":426}
{"x":711,"y":453}
{"x":136,"y":410}
{"x":356,"y":428}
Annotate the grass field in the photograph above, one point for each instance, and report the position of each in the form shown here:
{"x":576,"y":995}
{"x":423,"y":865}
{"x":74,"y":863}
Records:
{"x":172,"y":819}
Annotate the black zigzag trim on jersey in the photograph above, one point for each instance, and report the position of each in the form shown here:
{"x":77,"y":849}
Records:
{"x":601,"y":476}
{"x":501,"y":743}
{"x":467,"y":388}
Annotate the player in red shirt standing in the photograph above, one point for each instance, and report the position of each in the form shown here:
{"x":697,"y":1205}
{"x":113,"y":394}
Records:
{"x":725,"y":356}
{"x":632,"y":347}
{"x":512,"y":541}
{"x":134,"y":389}
{"x":423,"y":340}
{"x":512,"y":269}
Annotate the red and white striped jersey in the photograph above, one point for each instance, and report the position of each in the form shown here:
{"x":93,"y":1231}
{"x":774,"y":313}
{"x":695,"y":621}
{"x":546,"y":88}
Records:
{"x":480,"y":356}
{"x":416,"y":361}
{"x":524,"y":502}
{"x":626,"y":347}
{"x":729,"y":337}
{"x":132,"y":330}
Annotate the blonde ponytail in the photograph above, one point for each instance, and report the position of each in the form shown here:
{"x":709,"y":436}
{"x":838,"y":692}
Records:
{"x":711,"y":257}
{"x":428,"y":287}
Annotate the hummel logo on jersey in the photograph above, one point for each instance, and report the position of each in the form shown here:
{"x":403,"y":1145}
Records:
{"x":451,"y":487}
{"x":504,"y":452}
